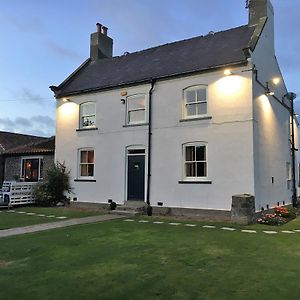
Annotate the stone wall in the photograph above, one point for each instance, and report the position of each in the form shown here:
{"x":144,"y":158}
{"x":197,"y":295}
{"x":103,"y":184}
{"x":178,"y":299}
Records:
{"x":1,"y":170}
{"x":48,"y":161}
{"x":13,"y":165}
{"x":243,"y":209}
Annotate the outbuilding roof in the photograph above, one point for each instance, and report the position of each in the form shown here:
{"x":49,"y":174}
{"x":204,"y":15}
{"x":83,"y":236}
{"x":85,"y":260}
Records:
{"x":178,"y":58}
{"x":43,"y":146}
{"x":10,"y":140}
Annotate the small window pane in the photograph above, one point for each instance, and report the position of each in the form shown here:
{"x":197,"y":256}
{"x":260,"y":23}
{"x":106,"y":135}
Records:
{"x":83,"y":158}
{"x":90,"y":157}
{"x":191,"y":109}
{"x":136,"y":116}
{"x":190,"y":153}
{"x":202,"y":108}
{"x":201,"y":169}
{"x":136,"y":103}
{"x":88,"y":121}
{"x":201,"y":95}
{"x":83,"y":171}
{"x":200,"y":153}
{"x":90,"y":170}
{"x":190,"y":169}
{"x":136,"y":151}
{"x":88,"y":109}
{"x":190,"y":96}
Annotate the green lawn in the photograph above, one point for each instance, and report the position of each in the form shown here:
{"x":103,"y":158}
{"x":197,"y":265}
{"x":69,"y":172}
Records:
{"x":13,"y":219}
{"x":131,"y":260}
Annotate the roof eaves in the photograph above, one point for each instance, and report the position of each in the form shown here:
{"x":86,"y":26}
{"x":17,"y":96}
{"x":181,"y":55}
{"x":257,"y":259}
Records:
{"x":33,"y":152}
{"x":69,"y":78}
{"x":146,"y":80}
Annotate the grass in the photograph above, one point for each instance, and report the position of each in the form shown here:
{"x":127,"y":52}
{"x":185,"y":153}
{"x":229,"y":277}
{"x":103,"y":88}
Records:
{"x":11,"y":220}
{"x":130,"y":260}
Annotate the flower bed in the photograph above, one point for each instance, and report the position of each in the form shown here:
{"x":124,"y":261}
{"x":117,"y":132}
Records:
{"x":280,"y":216}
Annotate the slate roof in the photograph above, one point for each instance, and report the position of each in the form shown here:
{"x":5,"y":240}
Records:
{"x":178,"y":58}
{"x":44,"y":146}
{"x":10,"y":140}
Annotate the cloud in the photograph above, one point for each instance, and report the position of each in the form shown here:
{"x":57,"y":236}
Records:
{"x":36,"y":125}
{"x":65,"y":52}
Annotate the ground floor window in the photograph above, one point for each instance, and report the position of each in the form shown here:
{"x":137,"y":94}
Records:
{"x":195,"y":161}
{"x":32,"y":169}
{"x":86,"y":162}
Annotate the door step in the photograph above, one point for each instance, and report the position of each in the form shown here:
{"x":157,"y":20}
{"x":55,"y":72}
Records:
{"x":130,"y":208}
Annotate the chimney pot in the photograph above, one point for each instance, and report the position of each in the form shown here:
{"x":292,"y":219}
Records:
{"x":99,"y":26}
{"x":104,"y":30}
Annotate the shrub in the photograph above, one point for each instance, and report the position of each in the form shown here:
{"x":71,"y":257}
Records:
{"x":282,"y":212}
{"x":280,"y":216}
{"x":52,"y":190}
{"x":272,"y":219}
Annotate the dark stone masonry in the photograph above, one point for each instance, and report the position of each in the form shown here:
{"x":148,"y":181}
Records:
{"x":243,"y":209}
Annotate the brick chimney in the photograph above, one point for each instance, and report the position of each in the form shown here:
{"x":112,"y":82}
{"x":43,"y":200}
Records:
{"x":101,"y":44}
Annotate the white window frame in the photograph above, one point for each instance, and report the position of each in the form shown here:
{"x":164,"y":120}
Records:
{"x":81,"y":116}
{"x":80,"y":163}
{"x":185,"y":103}
{"x":137,"y":109}
{"x":24,"y":158}
{"x":184,"y":161}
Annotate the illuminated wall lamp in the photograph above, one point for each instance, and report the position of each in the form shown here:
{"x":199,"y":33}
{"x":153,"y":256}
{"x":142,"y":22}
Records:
{"x":268,"y":92}
{"x":228,"y":72}
{"x":276,"y":80}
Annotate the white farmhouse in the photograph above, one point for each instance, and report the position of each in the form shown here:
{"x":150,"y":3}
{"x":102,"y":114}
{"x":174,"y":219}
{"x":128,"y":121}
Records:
{"x":185,"y":125}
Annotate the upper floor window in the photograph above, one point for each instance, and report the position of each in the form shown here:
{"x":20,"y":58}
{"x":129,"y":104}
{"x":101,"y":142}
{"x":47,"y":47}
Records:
{"x":136,"y":109}
{"x":88,"y":115}
{"x":86,"y":163}
{"x":195,"y":101}
{"x":195,"y":160}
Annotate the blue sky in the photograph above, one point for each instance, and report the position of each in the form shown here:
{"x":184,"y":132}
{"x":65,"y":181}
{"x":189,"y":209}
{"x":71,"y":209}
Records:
{"x":42,"y":42}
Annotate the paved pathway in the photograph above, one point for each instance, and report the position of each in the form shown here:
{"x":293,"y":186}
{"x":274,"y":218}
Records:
{"x":60,"y":224}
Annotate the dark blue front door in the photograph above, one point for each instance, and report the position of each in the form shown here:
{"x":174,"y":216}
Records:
{"x":136,"y":178}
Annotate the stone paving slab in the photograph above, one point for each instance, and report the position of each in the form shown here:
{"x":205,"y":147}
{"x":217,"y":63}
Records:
{"x":59,"y":224}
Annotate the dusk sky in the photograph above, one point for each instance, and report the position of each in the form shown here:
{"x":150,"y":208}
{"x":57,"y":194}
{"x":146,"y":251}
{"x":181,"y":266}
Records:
{"x":42,"y":42}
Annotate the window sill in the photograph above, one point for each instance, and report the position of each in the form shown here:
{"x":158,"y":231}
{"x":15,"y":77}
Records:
{"x":195,"y":182}
{"x":135,"y":125}
{"x":85,"y":180}
{"x":87,"y":129}
{"x":196,"y":119}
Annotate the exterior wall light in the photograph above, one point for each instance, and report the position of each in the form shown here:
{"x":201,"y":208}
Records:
{"x":227,"y":72}
{"x":122,"y":101}
{"x":268,"y":92}
{"x":276,"y":80}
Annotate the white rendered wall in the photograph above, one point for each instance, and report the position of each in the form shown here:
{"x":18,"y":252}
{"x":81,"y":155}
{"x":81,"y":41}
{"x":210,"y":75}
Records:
{"x":229,"y":137}
{"x":271,"y":126}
